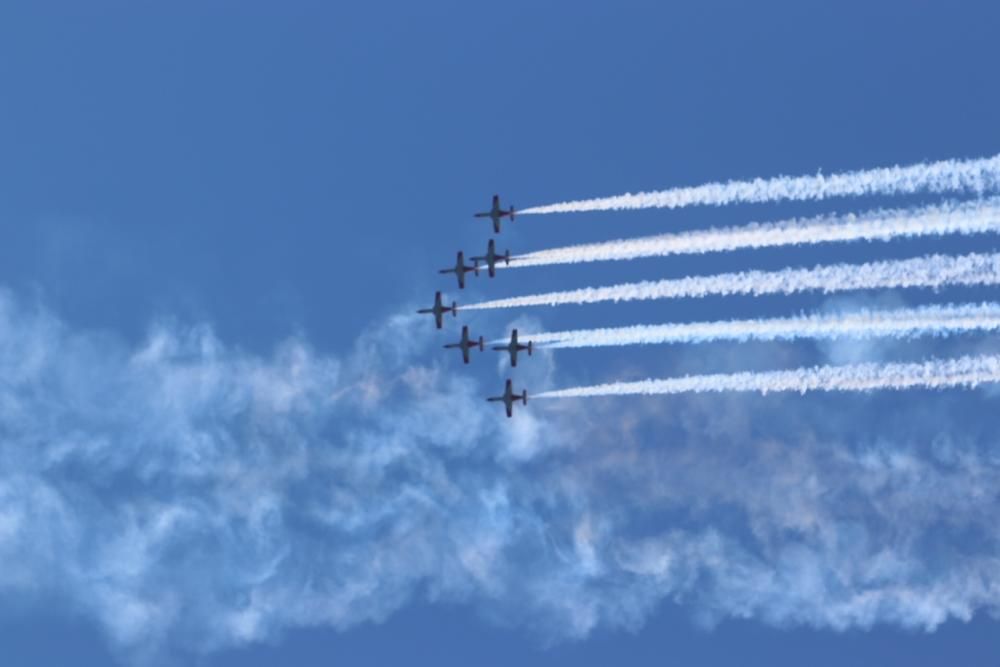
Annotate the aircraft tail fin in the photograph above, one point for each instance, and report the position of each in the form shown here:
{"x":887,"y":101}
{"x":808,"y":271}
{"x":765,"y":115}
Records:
{"x":454,"y":308}
{"x":506,"y":258}
{"x":512,"y":214}
{"x":524,"y":397}
{"x":531,"y":347}
{"x":481,"y":348}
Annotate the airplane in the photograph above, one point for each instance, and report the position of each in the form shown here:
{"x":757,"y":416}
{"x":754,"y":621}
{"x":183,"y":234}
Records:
{"x":513,"y":347}
{"x":496,"y":214}
{"x":460,"y":269}
{"x":465,"y":344}
{"x":509,"y":398}
{"x":438,"y":310}
{"x":491,"y":258}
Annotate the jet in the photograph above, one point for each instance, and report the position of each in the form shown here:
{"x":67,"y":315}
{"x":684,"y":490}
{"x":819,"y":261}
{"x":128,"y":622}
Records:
{"x":513,"y":347}
{"x":496,"y":214}
{"x":491,"y":258}
{"x":438,"y":310}
{"x":465,"y":344}
{"x":509,"y":398}
{"x":460,"y":269}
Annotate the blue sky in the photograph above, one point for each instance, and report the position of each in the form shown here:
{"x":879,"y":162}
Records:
{"x":226,"y":441}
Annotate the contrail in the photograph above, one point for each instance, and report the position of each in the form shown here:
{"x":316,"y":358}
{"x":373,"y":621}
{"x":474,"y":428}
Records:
{"x":976,"y":217}
{"x":862,"y":324}
{"x":930,"y":271}
{"x":935,"y":374}
{"x":976,"y":176}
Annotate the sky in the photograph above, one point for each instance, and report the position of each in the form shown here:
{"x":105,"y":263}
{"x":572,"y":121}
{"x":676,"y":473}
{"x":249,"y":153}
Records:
{"x":226,"y":437}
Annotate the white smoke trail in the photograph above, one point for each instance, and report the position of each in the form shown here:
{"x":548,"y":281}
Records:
{"x":977,"y":176}
{"x":861,"y":324}
{"x":932,"y":271}
{"x":934,"y":374}
{"x":974,"y":217}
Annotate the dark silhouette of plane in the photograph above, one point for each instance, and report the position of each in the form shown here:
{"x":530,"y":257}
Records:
{"x":438,"y":309}
{"x":509,"y":398}
{"x":465,"y":344}
{"x":496,"y":214}
{"x":460,"y":269}
{"x":491,"y":258}
{"x":513,"y":347}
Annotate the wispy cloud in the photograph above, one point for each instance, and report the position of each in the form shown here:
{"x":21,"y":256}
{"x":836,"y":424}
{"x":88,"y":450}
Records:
{"x":183,"y":492}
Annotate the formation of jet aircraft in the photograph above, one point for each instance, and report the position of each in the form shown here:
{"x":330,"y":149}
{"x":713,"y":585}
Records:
{"x":509,"y":398}
{"x":467,"y":343}
{"x":496,"y":214}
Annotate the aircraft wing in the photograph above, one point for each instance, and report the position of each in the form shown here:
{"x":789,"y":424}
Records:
{"x":465,"y":354}
{"x":510,"y":409}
